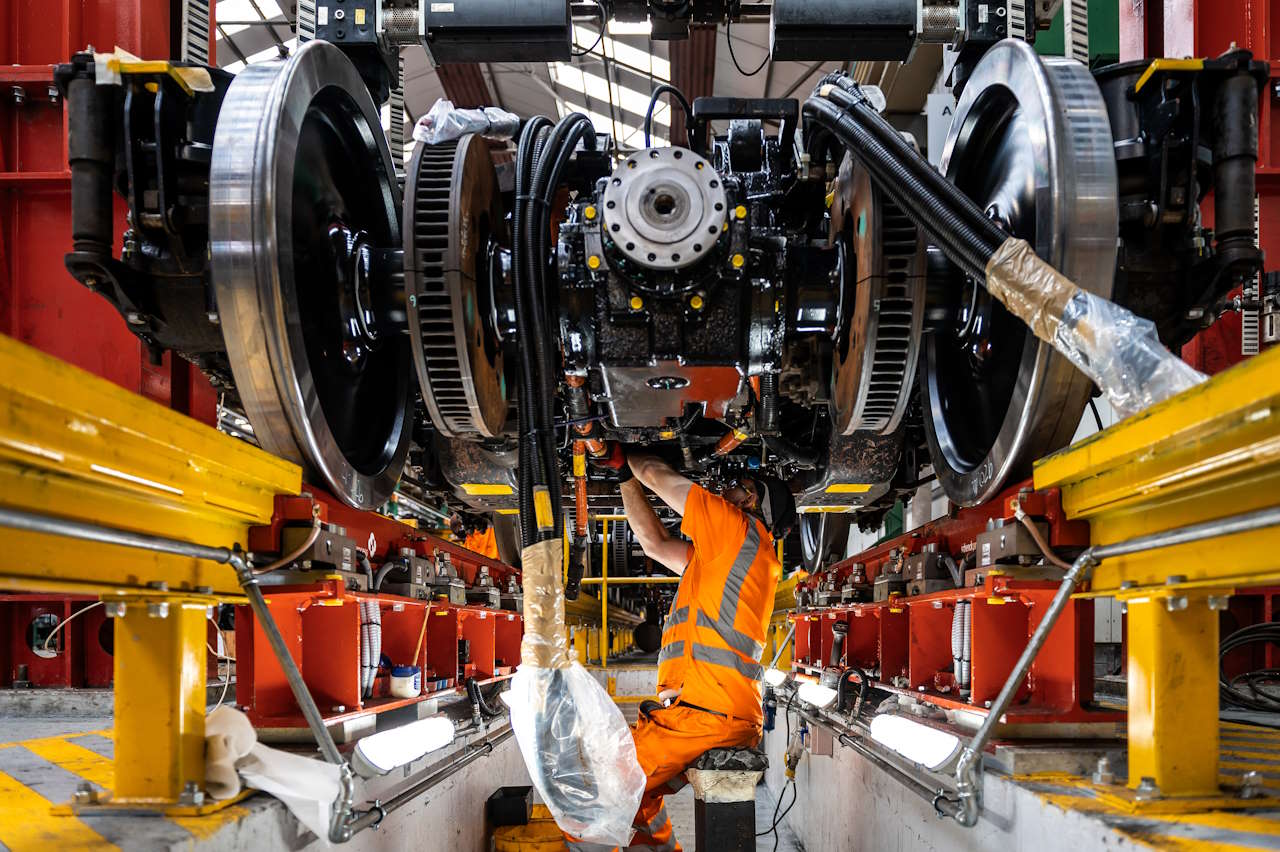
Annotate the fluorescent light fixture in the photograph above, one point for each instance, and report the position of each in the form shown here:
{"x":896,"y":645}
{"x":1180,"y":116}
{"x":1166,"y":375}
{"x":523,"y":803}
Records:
{"x":918,"y":743}
{"x":378,"y":754}
{"x":774,"y":677}
{"x":620,"y":28}
{"x":816,"y":694}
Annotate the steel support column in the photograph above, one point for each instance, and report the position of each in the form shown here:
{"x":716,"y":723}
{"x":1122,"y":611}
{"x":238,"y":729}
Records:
{"x":159,"y":698}
{"x":1173,"y":695}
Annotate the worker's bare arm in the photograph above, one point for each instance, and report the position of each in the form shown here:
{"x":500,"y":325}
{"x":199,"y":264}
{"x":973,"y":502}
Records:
{"x":662,"y":479}
{"x":649,"y":531}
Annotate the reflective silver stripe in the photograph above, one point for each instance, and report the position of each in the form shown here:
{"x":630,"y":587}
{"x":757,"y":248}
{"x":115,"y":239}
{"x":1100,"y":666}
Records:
{"x":732,"y":595}
{"x":680,"y":616}
{"x":725,"y":657}
{"x":659,"y":820}
{"x":671,"y":650}
{"x":735,"y":639}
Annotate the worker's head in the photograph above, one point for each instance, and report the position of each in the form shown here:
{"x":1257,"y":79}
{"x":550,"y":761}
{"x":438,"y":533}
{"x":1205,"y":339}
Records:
{"x":767,"y":497}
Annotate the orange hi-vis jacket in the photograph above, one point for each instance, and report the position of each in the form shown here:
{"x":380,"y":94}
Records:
{"x":715,"y":631}
{"x":485,"y":543}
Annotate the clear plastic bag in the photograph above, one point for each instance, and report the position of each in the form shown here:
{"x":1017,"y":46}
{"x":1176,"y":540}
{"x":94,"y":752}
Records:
{"x":575,"y":742}
{"x":444,"y":123}
{"x":1114,"y":347}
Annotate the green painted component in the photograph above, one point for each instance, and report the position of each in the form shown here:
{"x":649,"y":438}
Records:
{"x":1104,"y":33}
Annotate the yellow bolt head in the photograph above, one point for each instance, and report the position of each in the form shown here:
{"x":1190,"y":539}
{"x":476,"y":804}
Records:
{"x":636,"y":303}
{"x":738,"y":261}
{"x":589,"y":212}
{"x":696,"y":303}
{"x":740,"y":212}
{"x":593,"y":261}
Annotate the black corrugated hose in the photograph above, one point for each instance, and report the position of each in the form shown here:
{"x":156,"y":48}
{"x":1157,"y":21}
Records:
{"x":527,"y":465}
{"x":954,"y":222}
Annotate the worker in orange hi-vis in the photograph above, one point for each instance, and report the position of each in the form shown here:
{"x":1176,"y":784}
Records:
{"x":709,"y":667}
{"x":475,"y":533}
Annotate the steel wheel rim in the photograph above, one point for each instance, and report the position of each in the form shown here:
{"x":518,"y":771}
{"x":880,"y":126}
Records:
{"x":275,"y":113}
{"x":1073,"y":223}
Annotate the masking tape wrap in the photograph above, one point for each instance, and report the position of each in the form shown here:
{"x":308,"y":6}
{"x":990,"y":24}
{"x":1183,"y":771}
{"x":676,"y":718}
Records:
{"x":574,"y":739}
{"x":1114,"y":347}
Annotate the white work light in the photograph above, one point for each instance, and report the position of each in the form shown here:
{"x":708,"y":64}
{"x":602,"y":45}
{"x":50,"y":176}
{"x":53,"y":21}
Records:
{"x":774,"y":677}
{"x":378,"y":754}
{"x":816,"y":694}
{"x":918,"y":743}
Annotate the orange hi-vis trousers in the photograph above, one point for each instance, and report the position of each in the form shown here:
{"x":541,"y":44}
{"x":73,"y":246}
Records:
{"x":667,"y":742}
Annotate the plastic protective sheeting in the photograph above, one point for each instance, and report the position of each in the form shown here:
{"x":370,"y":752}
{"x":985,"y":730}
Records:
{"x":574,"y":740}
{"x":444,"y":123}
{"x":1119,"y":350}
{"x":233,"y":755}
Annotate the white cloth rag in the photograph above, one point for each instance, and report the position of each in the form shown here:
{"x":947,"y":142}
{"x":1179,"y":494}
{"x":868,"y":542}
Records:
{"x":234,"y":757}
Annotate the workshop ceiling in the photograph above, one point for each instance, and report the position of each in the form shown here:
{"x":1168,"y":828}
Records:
{"x":609,"y":80}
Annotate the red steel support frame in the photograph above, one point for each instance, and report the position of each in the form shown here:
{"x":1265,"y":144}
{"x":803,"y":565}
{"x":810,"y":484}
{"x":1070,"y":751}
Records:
{"x":906,"y":641}
{"x":1205,"y":28}
{"x":40,"y":303}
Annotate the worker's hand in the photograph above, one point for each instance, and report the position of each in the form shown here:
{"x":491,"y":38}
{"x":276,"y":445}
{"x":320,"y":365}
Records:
{"x":616,"y":460}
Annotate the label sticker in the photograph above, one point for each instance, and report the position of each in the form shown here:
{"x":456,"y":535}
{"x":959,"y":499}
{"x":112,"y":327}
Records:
{"x":442,"y":7}
{"x":986,"y":553}
{"x":982,"y":13}
{"x":322,"y":16}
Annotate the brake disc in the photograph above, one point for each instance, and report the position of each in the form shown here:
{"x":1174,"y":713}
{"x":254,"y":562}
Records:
{"x":874,"y":363}
{"x":453,"y":225}
{"x":1031,"y":143}
{"x":304,"y":212}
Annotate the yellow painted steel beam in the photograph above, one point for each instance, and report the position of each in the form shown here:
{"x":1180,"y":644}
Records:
{"x":1173,"y":695}
{"x":1211,"y":452}
{"x":79,"y":447}
{"x":604,"y":595}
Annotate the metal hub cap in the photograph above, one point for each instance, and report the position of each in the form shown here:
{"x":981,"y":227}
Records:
{"x":302,"y":194}
{"x":1031,"y":144}
{"x":664,"y":208}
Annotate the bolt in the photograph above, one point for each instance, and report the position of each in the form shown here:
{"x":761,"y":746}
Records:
{"x":1219,"y":602}
{"x":134,"y":318}
{"x":213,"y":318}
{"x":1252,"y":785}
{"x":1176,"y":603}
{"x":986,"y":704}
{"x":1175,"y":579}
{"x":114,"y":609}
{"x":1103,"y":773}
{"x":204,"y":590}
{"x":1147,"y":789}
{"x":191,"y":795}
{"x":85,"y":794}
{"x":19,"y":95}
{"x":158,"y":585}
{"x":339,"y":708}
{"x":158,"y":609}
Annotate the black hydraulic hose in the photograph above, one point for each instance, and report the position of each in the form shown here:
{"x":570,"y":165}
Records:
{"x":387,"y":568}
{"x":800,"y":457}
{"x":546,"y":178}
{"x":478,"y":700}
{"x":667,"y":89}
{"x":959,"y":227}
{"x":863,"y":689}
{"x":847,"y":94}
{"x":528,"y":468}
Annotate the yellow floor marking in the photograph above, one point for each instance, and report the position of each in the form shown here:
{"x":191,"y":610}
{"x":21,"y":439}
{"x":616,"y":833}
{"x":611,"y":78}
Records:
{"x":1228,"y":822}
{"x":204,"y":827}
{"x":25,"y":822}
{"x":76,"y":759}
